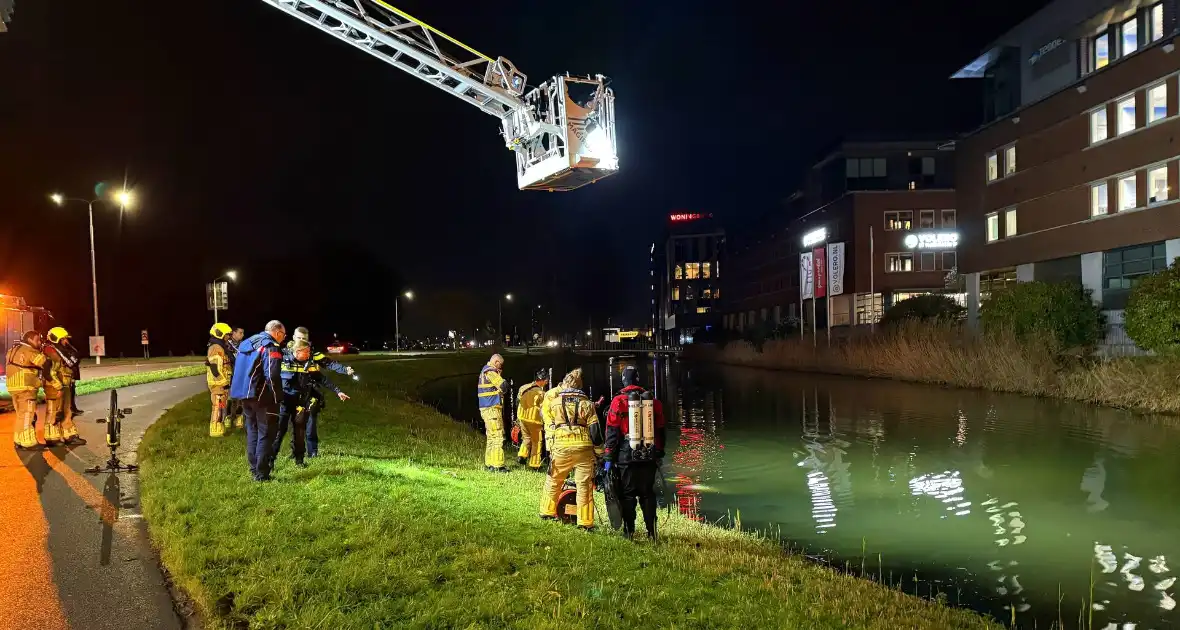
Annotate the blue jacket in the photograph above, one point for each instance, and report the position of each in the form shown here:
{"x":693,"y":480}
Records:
{"x":258,"y":370}
{"x":301,"y":376}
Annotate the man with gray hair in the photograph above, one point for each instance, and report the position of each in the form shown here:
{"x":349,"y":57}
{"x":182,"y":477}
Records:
{"x":257,"y":382}
{"x":492,"y":390}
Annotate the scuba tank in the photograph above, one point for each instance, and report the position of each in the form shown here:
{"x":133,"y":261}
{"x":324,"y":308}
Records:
{"x":648,"y":403}
{"x":634,"y":419}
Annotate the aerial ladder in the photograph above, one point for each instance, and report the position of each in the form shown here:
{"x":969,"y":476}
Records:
{"x":562,"y":131}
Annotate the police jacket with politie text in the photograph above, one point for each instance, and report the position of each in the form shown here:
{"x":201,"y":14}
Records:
{"x":324,"y":361}
{"x":302,"y":377}
{"x":618,"y":420}
{"x":257,"y":373}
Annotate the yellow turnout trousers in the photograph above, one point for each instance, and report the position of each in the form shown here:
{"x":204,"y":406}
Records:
{"x":25,"y":404}
{"x":219,"y":398}
{"x":493,"y":425}
{"x":562,"y":461}
{"x":530,"y":443}
{"x":59,"y":400}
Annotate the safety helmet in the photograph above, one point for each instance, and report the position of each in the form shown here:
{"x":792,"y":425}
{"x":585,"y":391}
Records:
{"x":220,"y":330}
{"x":630,"y":376}
{"x":56,"y":334}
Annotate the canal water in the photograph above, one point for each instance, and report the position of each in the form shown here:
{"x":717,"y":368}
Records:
{"x":1002,"y":503}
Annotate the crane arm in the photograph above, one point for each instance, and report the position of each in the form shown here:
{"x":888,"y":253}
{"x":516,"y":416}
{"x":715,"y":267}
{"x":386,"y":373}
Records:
{"x":412,"y":46}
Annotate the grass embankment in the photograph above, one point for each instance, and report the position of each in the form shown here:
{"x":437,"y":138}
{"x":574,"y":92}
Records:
{"x":93,"y":386}
{"x":397,"y":525}
{"x":946,"y":356}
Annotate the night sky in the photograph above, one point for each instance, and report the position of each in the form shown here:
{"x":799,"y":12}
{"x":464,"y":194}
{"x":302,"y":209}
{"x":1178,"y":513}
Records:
{"x":331,"y":181}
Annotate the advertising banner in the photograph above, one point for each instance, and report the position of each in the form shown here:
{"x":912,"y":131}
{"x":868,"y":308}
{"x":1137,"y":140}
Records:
{"x":806,"y":278}
{"x":835,"y":269}
{"x":820,"y":270}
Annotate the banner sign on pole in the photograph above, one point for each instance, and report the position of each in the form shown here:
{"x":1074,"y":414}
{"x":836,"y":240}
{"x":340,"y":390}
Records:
{"x":98,"y":346}
{"x":836,"y":269}
{"x":806,"y":277}
{"x":143,"y":337}
{"x":819,"y":269}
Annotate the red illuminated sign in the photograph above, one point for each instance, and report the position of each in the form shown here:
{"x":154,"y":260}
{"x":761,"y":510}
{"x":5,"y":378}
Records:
{"x":688,"y":216}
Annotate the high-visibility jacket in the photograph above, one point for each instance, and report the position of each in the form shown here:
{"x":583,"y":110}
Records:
{"x":57,"y":374}
{"x":530,"y":397}
{"x":572,"y":422}
{"x":219,"y":372}
{"x":488,"y":388}
{"x":545,"y":401}
{"x":23,"y":367}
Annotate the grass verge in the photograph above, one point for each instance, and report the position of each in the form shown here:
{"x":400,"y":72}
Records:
{"x":93,"y":386}
{"x":946,"y":356}
{"x":396,"y":525}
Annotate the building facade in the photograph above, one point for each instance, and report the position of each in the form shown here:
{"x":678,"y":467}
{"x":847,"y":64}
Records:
{"x":1075,"y":178}
{"x":891,"y":204}
{"x":690,"y":259}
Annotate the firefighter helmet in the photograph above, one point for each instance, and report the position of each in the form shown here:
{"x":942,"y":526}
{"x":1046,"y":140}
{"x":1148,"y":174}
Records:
{"x":220,"y":330}
{"x":56,"y":334}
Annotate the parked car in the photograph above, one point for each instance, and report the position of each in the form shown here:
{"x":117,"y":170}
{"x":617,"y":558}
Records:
{"x":342,"y":347}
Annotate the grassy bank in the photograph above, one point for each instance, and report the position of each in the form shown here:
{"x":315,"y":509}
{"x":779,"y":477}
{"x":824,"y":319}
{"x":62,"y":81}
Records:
{"x":396,"y":525}
{"x":946,"y":356}
{"x":93,"y":386}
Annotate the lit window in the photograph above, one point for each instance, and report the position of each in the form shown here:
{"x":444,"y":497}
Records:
{"x":1126,"y":108}
{"x":950,"y":260}
{"x":993,"y":227}
{"x":1157,"y":103}
{"x":689,"y":294}
{"x":1101,"y":51}
{"x":993,"y":167}
{"x":1010,"y":223}
{"x":702,"y":309}
{"x":899,"y":262}
{"x":926,"y":219}
{"x":1098,"y":199}
{"x":675,"y":293}
{"x":692,"y":271}
{"x":1155,"y":22}
{"x":1157,"y":184}
{"x":706,"y":270}
{"x":1098,"y":125}
{"x":1127,"y":193}
{"x":928,"y":263}
{"x":678,"y":273}
{"x":1009,"y":160}
{"x":948,"y":218}
{"x":899,"y":220}
{"x":1130,"y":37}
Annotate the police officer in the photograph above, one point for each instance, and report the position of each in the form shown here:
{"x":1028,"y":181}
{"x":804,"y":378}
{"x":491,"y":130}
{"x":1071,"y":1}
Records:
{"x":303,"y":401}
{"x":324,"y":361}
{"x":635,"y":468}
{"x":24,"y":363}
{"x":491,"y":388}
{"x":574,"y":437}
{"x":58,"y":378}
{"x":257,"y":382}
{"x":218,"y":375}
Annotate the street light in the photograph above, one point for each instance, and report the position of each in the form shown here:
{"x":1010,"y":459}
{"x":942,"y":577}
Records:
{"x":500,"y":303}
{"x":231,"y":275}
{"x":397,"y":324}
{"x":125,"y":199}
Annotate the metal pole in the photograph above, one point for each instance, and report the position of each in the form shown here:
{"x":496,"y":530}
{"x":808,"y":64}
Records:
{"x":800,"y":297}
{"x":872,"y":291}
{"x":814,"y":331}
{"x":94,"y":275}
{"x":828,"y":292}
{"x":214,"y":302}
{"x":500,"y":330}
{"x":397,"y":326}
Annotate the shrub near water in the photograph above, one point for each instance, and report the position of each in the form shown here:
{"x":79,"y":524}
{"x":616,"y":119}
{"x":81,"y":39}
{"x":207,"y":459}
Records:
{"x":1063,"y":312}
{"x":1153,"y":312}
{"x":396,"y":525}
{"x":931,"y":307}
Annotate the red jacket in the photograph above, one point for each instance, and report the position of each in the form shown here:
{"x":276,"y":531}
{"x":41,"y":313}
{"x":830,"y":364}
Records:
{"x":618,"y":426}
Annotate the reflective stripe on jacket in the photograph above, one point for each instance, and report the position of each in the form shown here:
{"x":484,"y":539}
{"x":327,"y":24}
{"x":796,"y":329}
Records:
{"x":572,"y":421}
{"x":23,"y":368}
{"x":488,"y":388}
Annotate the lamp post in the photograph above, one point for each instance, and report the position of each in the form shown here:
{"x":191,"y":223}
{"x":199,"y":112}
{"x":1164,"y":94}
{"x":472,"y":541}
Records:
{"x":397,"y":321}
{"x":501,"y":308}
{"x":125,"y":199}
{"x":230,"y":275}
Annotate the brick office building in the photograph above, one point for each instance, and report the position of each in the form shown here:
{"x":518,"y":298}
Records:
{"x":1075,"y":175}
{"x":686,"y":276}
{"x":893,"y":206}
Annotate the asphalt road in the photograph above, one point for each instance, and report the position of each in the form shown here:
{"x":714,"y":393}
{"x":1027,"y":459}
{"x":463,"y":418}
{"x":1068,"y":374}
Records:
{"x":105,"y":571}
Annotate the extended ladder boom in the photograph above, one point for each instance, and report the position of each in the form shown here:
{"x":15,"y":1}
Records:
{"x":562,"y":140}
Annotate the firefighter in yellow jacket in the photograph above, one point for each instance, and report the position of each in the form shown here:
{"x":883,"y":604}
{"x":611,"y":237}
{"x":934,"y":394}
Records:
{"x":59,"y":395}
{"x":528,"y":412}
{"x":24,"y":364}
{"x":575,"y":439}
{"x":219,"y":372}
{"x":491,"y":389}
